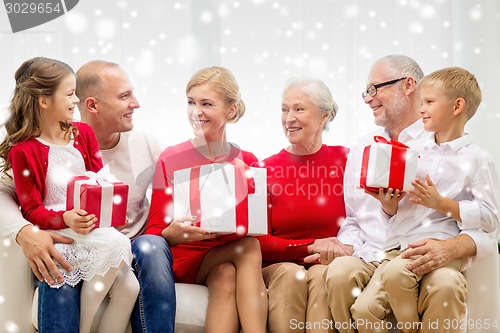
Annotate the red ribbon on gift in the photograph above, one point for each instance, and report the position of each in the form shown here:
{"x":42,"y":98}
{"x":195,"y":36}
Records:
{"x":398,"y":162}
{"x":393,"y":142}
{"x":96,"y":196}
{"x":242,"y":176}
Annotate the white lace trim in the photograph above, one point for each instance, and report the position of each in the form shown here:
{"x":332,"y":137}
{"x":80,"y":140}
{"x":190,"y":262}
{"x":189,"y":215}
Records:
{"x":93,"y":254}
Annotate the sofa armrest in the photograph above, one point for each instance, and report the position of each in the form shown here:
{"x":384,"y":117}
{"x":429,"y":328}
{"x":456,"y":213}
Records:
{"x":483,"y":294}
{"x":17,"y":284}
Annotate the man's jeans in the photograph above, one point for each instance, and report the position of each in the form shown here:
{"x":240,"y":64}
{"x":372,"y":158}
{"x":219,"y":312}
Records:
{"x":58,"y":309}
{"x":154,"y":310}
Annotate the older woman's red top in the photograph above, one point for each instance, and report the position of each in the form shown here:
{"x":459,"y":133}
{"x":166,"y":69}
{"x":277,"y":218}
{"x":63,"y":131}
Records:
{"x":306,"y":201}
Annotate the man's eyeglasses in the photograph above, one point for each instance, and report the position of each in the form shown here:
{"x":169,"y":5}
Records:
{"x":372,"y":90}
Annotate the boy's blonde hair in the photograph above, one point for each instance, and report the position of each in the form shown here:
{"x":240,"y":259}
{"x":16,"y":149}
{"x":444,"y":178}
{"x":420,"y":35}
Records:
{"x":456,"y":83}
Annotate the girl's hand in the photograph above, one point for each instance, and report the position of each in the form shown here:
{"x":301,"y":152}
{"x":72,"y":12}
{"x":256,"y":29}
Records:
{"x":389,"y":199}
{"x":79,"y":221}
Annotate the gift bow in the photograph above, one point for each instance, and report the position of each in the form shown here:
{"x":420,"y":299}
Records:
{"x":102,"y":175}
{"x":391,"y":142}
{"x":103,"y":178}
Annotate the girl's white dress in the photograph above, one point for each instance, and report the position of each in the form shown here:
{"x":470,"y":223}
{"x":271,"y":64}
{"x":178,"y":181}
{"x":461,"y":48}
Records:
{"x":91,"y":254}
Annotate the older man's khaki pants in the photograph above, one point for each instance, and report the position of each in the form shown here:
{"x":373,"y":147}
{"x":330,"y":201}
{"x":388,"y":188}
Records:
{"x":434,"y":302}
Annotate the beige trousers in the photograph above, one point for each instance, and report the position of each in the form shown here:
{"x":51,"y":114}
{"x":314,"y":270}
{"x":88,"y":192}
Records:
{"x":345,"y":278}
{"x":434,"y":302}
{"x":297,"y":298}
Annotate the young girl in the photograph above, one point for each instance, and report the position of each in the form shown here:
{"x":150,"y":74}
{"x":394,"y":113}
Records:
{"x":44,"y":148}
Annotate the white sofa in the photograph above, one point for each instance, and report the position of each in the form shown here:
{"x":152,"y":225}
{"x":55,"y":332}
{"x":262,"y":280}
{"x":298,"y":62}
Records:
{"x":17,"y":290}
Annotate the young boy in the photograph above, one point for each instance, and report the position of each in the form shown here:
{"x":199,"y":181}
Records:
{"x":460,"y":191}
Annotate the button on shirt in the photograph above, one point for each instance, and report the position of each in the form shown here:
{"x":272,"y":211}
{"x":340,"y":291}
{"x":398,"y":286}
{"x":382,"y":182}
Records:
{"x":461,"y":171}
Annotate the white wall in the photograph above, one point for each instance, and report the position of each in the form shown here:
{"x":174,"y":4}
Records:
{"x":161,"y":43}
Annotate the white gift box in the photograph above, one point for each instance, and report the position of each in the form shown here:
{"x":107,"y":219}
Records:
{"x":388,"y":164}
{"x":219,"y":198}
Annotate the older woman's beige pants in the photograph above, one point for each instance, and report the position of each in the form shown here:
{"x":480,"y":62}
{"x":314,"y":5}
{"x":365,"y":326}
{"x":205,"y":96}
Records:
{"x":297,"y":298}
{"x":345,"y":278}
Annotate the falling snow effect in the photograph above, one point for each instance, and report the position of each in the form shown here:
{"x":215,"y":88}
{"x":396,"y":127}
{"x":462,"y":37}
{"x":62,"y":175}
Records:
{"x":241,"y":230}
{"x":11,"y":327}
{"x":300,"y":275}
{"x":98,"y":286}
{"x":161,"y":52}
{"x":105,"y":28}
{"x":117,"y":199}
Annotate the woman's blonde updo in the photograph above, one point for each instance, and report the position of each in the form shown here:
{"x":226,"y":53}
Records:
{"x":224,"y":83}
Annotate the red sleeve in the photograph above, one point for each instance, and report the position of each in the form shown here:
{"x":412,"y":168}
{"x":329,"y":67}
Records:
{"x":91,"y":153}
{"x":29,"y":191}
{"x":161,"y":200}
{"x":277,"y":249}
{"x":249,"y":158}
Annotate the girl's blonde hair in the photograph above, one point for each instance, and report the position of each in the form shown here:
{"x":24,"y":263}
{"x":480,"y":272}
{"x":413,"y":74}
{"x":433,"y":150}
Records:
{"x":36,"y":77}
{"x":224,"y":83}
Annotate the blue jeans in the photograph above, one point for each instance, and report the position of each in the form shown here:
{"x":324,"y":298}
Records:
{"x":154,"y":310}
{"x":58,"y":309}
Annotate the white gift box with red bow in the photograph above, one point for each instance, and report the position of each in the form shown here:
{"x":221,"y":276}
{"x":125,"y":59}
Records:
{"x":224,"y":198}
{"x":388,"y":164}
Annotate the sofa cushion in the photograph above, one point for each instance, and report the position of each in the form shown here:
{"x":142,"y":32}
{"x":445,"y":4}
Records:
{"x":192,"y":301}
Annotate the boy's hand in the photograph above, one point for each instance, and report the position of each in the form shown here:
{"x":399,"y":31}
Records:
{"x":79,"y":221}
{"x":426,"y":193}
{"x":389,"y":199}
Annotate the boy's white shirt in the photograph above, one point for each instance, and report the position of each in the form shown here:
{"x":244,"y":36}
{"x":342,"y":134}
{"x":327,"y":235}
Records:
{"x":364,"y":227}
{"x":461,"y":171}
